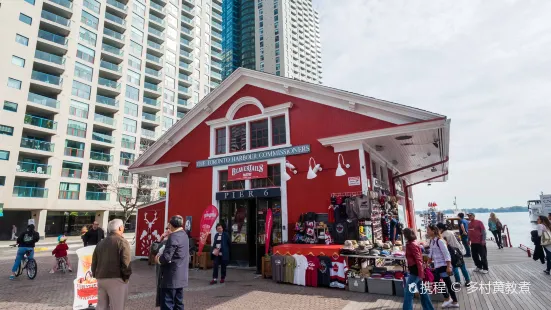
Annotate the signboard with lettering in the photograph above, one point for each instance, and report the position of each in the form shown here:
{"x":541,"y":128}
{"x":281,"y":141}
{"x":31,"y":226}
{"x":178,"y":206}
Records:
{"x":243,"y":158}
{"x":354,"y":181}
{"x":249,"y":194}
{"x":248,"y":171}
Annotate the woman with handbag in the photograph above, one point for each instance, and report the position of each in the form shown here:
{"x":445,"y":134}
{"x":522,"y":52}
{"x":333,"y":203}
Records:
{"x":440,"y":256}
{"x":544,"y":231}
{"x":496,"y":228}
{"x":414,"y":259}
{"x":220,"y":253}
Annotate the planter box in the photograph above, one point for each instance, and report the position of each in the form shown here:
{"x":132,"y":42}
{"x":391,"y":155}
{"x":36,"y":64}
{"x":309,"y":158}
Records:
{"x":380,"y":286}
{"x":357,"y":285}
{"x":202,"y":260}
{"x":266,"y":267}
{"x":398,"y":287}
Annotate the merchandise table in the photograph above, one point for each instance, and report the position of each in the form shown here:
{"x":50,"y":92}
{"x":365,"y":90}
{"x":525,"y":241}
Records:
{"x":305,"y":249}
{"x":375,"y":257}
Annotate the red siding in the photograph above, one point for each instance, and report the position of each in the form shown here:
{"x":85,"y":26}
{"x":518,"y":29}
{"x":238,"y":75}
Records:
{"x":191,"y":191}
{"x":246,"y":111}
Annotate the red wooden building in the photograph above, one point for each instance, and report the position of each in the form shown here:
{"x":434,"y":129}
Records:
{"x":276,"y":124}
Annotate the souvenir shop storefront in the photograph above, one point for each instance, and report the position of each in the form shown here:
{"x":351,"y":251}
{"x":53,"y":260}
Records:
{"x":331,"y":166}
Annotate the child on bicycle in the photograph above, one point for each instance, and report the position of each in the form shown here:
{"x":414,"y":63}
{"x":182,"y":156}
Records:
{"x":60,"y":252}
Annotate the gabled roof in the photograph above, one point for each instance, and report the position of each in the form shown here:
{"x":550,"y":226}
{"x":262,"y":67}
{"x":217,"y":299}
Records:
{"x":368,"y":106}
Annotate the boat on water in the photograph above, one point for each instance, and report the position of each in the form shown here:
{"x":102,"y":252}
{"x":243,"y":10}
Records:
{"x":539,"y":207}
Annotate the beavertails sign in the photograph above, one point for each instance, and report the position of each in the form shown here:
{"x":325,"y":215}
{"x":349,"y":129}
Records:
{"x":248,"y":171}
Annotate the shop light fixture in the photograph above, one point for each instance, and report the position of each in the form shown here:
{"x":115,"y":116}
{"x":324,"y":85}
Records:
{"x":340,"y":171}
{"x":313,"y":170}
{"x":289,"y":166}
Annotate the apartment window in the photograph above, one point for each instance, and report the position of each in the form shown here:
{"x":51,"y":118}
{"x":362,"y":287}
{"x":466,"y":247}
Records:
{"x":6,"y":130}
{"x":169,"y":82}
{"x":172,"y":21}
{"x":83,"y":72}
{"x":206,"y":89}
{"x":124,"y":193}
{"x":137,"y":34}
{"x":132,"y":93}
{"x":21,"y":40}
{"x":168,"y":95}
{"x":128,"y":142}
{"x":221,"y":141}
{"x":196,"y":97}
{"x":89,"y":20}
{"x":77,"y":129}
{"x":81,"y":90}
{"x":170,"y":56}
{"x":259,"y":134}
{"x":13,"y":83}
{"x":170,"y":69}
{"x":69,"y":191}
{"x":172,"y":44}
{"x":18,"y":61}
{"x":87,"y":36}
{"x":226,"y":185}
{"x":26,"y":19}
{"x":273,"y":179}
{"x":30,"y":1}
{"x":172,"y":33}
{"x":167,"y":122}
{"x":129,"y":125}
{"x":133,"y":77}
{"x":4,"y":155}
{"x":86,"y":54}
{"x":2,"y":180}
{"x":130,"y":108}
{"x":92,"y":5}
{"x":71,"y":169}
{"x":10,"y":106}
{"x":126,"y":159}
{"x":138,"y":22}
{"x":168,"y":108}
{"x":134,"y":62}
{"x":279,"y":135}
{"x":136,"y":48}
{"x":238,"y":138}
{"x":74,"y":148}
{"x":139,"y":8}
{"x":78,"y":109}
{"x":172,"y":9}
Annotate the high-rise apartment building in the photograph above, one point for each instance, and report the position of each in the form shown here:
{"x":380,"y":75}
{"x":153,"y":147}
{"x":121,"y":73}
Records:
{"x":85,"y":86}
{"x":281,"y":37}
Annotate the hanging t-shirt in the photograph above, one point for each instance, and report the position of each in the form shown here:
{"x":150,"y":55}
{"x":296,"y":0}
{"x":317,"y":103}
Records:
{"x":290,"y":265}
{"x":362,"y":203}
{"x":338,"y":272}
{"x":324,"y":271}
{"x":300,"y":269}
{"x":340,"y":232}
{"x":278,"y":268}
{"x":312,"y":270}
{"x":353,"y":231}
{"x":351,"y":209}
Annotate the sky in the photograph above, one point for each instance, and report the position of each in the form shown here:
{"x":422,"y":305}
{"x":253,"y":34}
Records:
{"x":486,"y":65}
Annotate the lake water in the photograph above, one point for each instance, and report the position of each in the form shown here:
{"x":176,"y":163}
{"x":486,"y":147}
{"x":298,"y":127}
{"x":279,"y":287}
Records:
{"x":518,"y":223}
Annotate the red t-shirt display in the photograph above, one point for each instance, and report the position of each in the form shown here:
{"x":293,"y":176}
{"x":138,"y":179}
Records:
{"x":312,"y":270}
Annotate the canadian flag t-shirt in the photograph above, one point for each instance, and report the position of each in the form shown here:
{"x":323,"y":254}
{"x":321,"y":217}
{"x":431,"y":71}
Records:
{"x":338,"y":272}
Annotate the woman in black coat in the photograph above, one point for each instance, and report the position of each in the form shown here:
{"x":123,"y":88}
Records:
{"x":538,"y":249}
{"x":220,"y":253}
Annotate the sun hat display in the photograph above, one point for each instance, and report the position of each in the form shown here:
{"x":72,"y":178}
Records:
{"x":398,"y":243}
{"x":348,"y":245}
{"x":386,"y":246}
{"x":374,"y":252}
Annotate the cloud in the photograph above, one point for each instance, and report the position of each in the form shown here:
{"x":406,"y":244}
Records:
{"x":484,"y":64}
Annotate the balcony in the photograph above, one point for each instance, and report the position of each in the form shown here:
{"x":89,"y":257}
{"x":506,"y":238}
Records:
{"x":44,"y":123}
{"x":213,"y":85}
{"x":49,"y":62}
{"x":152,"y":102}
{"x":156,"y":33}
{"x":217,"y":25}
{"x":126,"y":161}
{"x":109,"y":86}
{"x":184,"y":91}
{"x":184,"y":79}
{"x":216,"y":76}
{"x":158,"y":8}
{"x":216,"y":36}
{"x":111,"y":53}
{"x":44,"y":101}
{"x":107,"y":103}
{"x":65,"y":6}
{"x":99,"y":176}
{"x":150,"y":118}
{"x":186,"y":21}
{"x":184,"y":103}
{"x":154,"y":62}
{"x":180,"y":115}
{"x":158,"y":22}
{"x":186,"y":55}
{"x":37,"y":145}
{"x":116,"y":22}
{"x":105,"y":120}
{"x":73,"y":152}
{"x":30,"y":192}
{"x":216,"y":8}
{"x":155,"y":48}
{"x":51,"y":42}
{"x":216,"y":55}
{"x":117,"y":7}
{"x":113,"y":37}
{"x":125,"y":179}
{"x":70,"y":195}
{"x":217,"y":16}
{"x":71,"y":173}
{"x":186,"y":67}
{"x":103,"y":138}
{"x":185,"y":43}
{"x":54,"y":23}
{"x":29,"y":169}
{"x":152,"y":87}
{"x":149,"y":134}
{"x":47,"y":82}
{"x":101,"y":196}
{"x":187,"y":10}
{"x":154,"y":75}
{"x":186,"y":33}
{"x":216,"y":46}
{"x":126,"y":144}
{"x":99,"y":156}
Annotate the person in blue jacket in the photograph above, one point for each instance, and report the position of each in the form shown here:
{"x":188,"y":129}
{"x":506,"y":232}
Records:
{"x":220,"y":253}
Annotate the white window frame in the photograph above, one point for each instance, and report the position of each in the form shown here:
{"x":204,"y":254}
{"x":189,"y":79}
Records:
{"x":229,"y":121}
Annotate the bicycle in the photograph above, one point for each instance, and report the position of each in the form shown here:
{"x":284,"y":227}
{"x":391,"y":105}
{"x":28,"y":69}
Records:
{"x":27,"y":263}
{"x":61,"y":264}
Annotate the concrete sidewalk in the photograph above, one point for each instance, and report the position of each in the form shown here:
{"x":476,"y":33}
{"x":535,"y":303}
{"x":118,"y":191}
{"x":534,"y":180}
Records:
{"x":50,"y":241}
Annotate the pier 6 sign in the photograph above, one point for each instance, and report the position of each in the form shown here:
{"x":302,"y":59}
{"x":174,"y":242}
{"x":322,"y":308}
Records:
{"x":256,"y":156}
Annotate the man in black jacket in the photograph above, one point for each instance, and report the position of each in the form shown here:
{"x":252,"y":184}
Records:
{"x":94,"y":235}
{"x":174,"y":263}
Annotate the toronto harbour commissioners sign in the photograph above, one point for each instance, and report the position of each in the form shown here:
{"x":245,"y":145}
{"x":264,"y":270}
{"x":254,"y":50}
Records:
{"x":262,"y":155}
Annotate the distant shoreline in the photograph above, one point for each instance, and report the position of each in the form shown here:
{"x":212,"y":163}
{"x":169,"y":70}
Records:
{"x":516,"y":209}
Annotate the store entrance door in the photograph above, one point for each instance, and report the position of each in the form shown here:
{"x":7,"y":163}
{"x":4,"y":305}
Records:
{"x":239,"y":220}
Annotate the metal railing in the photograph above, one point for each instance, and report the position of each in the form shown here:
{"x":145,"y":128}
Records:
{"x":154,"y":45}
{"x":73,"y":152}
{"x":150,"y":117}
{"x":185,"y":65}
{"x":126,"y":161}
{"x":184,"y":77}
{"x":55,"y":18}
{"x":113,"y":34}
{"x":128,"y":144}
{"x":183,"y":89}
{"x":106,"y":100}
{"x":115,"y":19}
{"x":148,"y":133}
{"x":111,"y":49}
{"x":47,"y":78}
{"x":97,"y":196}
{"x":71,"y":195}
{"x":157,"y":20}
{"x":185,"y":54}
{"x":66,"y":3}
{"x":49,"y":57}
{"x":96,"y":136}
{"x":117,"y":4}
{"x":153,"y":58}
{"x":98,"y":175}
{"x":42,"y":100}
{"x":32,"y":192}
{"x":182,"y":102}
{"x":104,"y":119}
{"x":40,"y":122}
{"x":78,"y":112}
{"x":157,"y":7}
{"x":151,"y":102}
{"x":43,"y":34}
{"x":152,"y":72}
{"x":101,"y":156}
{"x":71,"y":173}
{"x":28,"y":167}
{"x":151,"y":86}
{"x":109,"y":83}
{"x":110,"y":66}
{"x":76,"y":131}
{"x":155,"y":32}
{"x":37,"y":145}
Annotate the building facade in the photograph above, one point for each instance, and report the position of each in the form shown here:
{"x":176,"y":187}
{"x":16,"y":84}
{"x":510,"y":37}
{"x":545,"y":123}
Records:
{"x":280,"y":37}
{"x":278,"y":131}
{"x":86,"y":86}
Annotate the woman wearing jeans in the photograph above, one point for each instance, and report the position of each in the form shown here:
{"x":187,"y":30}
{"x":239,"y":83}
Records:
{"x":545,"y":225}
{"x":450,"y":238}
{"x":495,"y":227}
{"x":220,"y":253}
{"x":442,"y":260}
{"x":414,"y":259}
